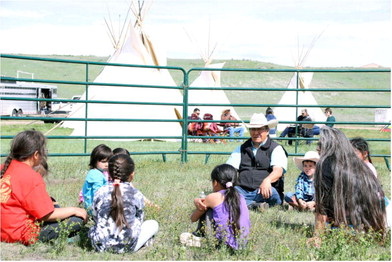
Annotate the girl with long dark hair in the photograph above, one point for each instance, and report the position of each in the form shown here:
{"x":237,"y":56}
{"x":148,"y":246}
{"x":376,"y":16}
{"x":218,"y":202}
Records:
{"x":224,"y":211}
{"x":347,"y":193}
{"x":25,"y":203}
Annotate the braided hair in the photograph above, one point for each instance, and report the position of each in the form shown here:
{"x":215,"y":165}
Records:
{"x":226,"y":175}
{"x":121,"y":166}
{"x":24,"y":145}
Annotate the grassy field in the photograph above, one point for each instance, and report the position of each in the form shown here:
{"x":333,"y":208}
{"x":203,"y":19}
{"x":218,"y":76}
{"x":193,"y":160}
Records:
{"x":276,"y":234}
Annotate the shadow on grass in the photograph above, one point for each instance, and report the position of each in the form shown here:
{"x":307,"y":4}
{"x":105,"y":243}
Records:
{"x":302,"y":227}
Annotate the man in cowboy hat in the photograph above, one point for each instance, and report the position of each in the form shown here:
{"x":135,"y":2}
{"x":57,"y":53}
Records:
{"x":261,"y":163}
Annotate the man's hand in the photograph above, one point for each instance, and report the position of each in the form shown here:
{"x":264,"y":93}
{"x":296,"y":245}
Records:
{"x":199,"y":204}
{"x":265,"y":188}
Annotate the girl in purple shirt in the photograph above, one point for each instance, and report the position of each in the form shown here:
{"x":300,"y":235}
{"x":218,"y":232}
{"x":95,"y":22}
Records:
{"x":224,"y":212}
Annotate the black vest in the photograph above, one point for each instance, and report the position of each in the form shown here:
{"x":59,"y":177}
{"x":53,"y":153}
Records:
{"x":254,"y":169}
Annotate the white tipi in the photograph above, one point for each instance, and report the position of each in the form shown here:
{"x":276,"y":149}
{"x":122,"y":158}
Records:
{"x":212,"y":96}
{"x":305,"y":96}
{"x":210,"y":79}
{"x":135,"y":49}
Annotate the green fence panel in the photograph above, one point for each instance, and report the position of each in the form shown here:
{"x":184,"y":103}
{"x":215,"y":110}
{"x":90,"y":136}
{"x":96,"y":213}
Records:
{"x":184,"y":151}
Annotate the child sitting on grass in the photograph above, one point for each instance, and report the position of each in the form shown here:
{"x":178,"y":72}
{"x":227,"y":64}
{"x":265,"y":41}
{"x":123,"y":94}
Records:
{"x":361,"y":148}
{"x":96,"y":176}
{"x":118,"y":212}
{"x":24,"y":199}
{"x":224,"y":212}
{"x":303,"y":198}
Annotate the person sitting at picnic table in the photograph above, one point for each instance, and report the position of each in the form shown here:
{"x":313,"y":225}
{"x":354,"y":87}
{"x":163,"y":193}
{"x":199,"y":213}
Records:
{"x":301,"y":129}
{"x":195,"y":128}
{"x":233,"y":127}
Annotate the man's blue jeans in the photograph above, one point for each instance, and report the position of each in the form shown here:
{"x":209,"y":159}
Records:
{"x":240,"y":130}
{"x":253,"y":196}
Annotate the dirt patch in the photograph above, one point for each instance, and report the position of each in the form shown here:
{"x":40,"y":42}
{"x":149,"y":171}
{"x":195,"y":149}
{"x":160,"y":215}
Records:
{"x":361,"y":127}
{"x":20,"y":122}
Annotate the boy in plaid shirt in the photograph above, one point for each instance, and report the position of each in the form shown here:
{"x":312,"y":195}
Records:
{"x":303,"y":198}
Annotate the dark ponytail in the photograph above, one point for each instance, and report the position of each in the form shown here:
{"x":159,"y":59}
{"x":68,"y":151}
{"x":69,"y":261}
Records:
{"x":120,"y":168}
{"x":6,"y":164}
{"x":226,"y":175}
{"x":24,"y":145}
{"x":362,"y":146}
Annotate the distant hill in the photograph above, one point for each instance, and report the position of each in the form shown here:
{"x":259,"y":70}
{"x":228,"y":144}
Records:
{"x":372,"y":65}
{"x":77,"y":72}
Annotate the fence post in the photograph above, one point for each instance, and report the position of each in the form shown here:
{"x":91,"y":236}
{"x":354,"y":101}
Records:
{"x":85,"y":121}
{"x":184,"y":139}
{"x":296,"y":110}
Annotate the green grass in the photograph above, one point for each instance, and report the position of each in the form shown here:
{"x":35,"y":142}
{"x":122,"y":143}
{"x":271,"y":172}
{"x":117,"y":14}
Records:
{"x":276,"y":234}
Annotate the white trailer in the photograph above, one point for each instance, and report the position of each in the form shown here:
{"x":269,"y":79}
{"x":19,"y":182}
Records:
{"x":17,"y":89}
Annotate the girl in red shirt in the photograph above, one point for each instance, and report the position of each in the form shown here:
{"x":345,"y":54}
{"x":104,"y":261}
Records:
{"x":24,"y":199}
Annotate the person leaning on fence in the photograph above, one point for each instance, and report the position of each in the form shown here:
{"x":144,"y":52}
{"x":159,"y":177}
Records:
{"x":233,"y":127}
{"x":25,"y":202}
{"x":261,"y":163}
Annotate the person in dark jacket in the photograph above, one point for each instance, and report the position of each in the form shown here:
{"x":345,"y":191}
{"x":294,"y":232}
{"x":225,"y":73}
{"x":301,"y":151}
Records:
{"x":261,"y":163}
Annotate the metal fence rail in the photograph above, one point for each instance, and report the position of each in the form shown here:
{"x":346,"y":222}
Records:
{"x":185,"y":88}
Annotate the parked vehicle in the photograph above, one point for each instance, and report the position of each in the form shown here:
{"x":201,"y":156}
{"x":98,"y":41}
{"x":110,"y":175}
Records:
{"x":59,"y":107}
{"x":18,"y":89}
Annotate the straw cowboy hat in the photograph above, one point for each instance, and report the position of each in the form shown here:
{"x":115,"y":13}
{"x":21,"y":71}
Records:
{"x":309,"y":156}
{"x":259,"y":120}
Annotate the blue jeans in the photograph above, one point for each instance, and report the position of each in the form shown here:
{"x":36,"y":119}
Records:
{"x":288,"y":197}
{"x":240,"y":130}
{"x":290,"y":130}
{"x":316,"y":130}
{"x":254,"y":196}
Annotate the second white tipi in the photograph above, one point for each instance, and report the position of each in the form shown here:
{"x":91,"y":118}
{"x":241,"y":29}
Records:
{"x":305,"y":96}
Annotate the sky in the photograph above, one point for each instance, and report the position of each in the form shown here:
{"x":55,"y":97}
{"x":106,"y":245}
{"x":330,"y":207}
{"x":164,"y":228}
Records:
{"x":347,"y":32}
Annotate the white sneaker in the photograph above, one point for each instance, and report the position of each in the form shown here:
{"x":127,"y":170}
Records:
{"x":189,"y":239}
